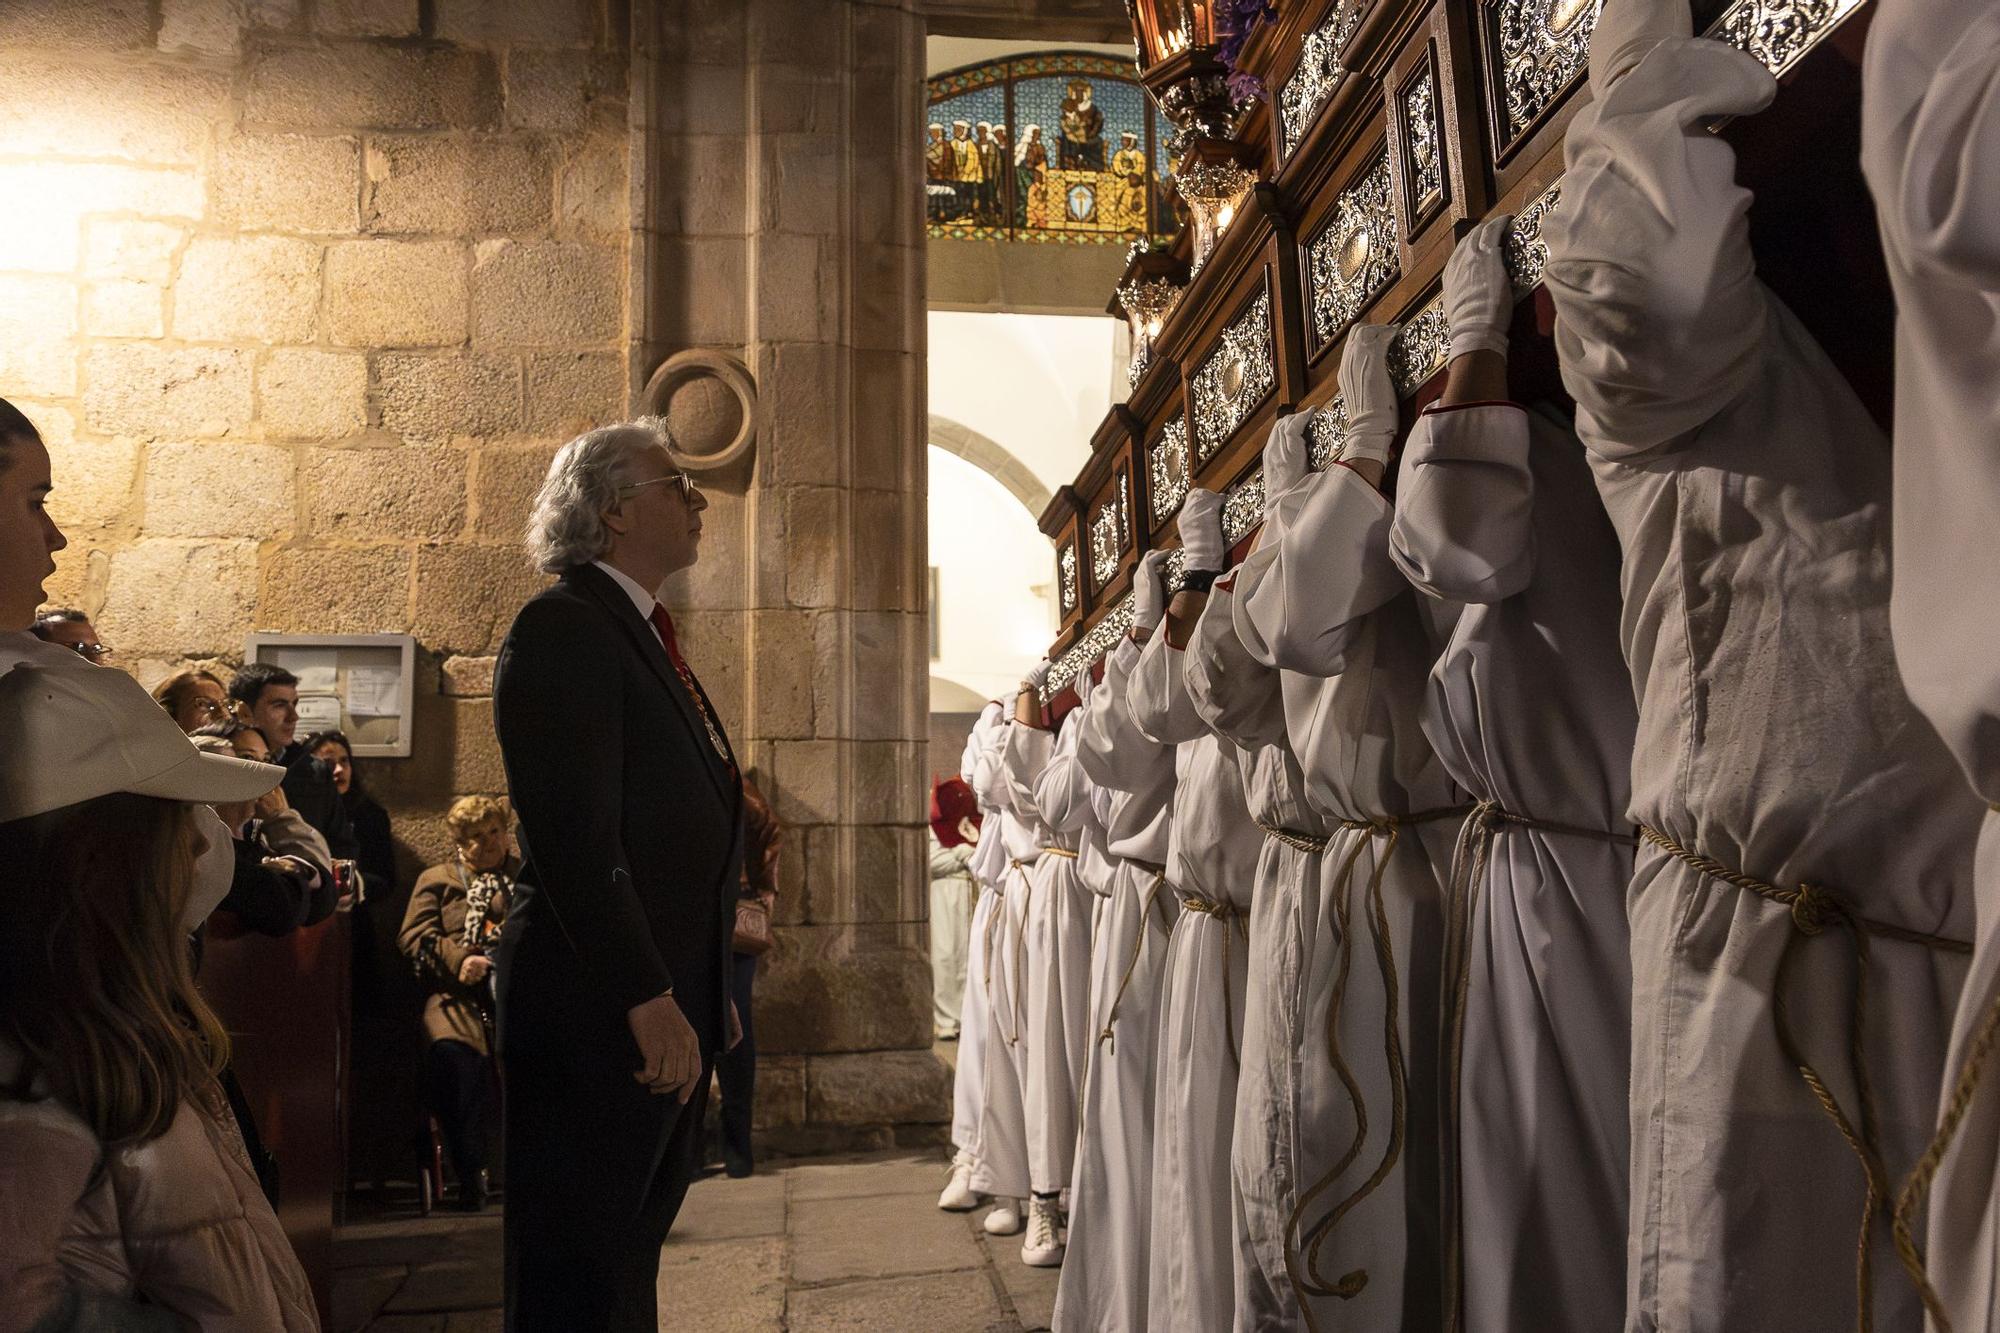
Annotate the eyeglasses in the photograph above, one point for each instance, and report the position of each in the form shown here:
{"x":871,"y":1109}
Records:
{"x":682,"y":479}
{"x":206,"y":707}
{"x":93,"y":653}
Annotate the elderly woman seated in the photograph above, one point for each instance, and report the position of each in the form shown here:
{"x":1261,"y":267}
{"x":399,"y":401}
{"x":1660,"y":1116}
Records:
{"x":449,"y":934}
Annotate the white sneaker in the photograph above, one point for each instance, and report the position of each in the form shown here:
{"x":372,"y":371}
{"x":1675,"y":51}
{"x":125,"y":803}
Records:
{"x":1005,"y":1219}
{"x":1044,"y":1244}
{"x":959,"y":1196}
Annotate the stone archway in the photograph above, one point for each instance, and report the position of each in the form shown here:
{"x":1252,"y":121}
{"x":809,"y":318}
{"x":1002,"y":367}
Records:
{"x":994,"y":459}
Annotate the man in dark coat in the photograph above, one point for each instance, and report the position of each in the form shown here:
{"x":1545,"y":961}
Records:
{"x":613,"y":973}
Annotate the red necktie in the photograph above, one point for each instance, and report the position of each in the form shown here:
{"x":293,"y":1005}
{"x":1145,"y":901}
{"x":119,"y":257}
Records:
{"x":664,"y":623}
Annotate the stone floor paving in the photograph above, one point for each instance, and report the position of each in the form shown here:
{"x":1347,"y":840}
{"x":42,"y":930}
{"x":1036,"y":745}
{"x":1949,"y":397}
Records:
{"x":805,"y":1245}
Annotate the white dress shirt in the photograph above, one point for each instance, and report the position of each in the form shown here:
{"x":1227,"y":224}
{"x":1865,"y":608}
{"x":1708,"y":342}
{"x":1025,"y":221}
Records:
{"x":642,"y":601}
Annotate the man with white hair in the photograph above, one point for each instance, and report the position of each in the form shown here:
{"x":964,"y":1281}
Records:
{"x":613,"y":976}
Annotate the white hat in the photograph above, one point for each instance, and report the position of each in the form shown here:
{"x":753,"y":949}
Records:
{"x":69,"y":736}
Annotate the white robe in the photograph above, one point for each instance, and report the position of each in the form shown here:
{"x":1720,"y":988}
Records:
{"x":1212,"y":857}
{"x":1530,"y":708}
{"x":953,"y":895}
{"x":1001,"y":1165}
{"x":988,"y":863}
{"x":1750,"y":491}
{"x":1930,"y":146}
{"x":1104,"y":1272}
{"x":1315,"y":650}
{"x":1055,"y":953}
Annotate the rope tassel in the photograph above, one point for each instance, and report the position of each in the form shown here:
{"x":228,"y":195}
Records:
{"x":1814,"y":909}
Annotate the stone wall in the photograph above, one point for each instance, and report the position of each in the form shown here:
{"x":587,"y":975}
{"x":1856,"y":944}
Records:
{"x":303,"y":293}
{"x":786,"y":229}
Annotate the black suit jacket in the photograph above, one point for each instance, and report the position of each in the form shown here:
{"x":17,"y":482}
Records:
{"x":630,"y":825}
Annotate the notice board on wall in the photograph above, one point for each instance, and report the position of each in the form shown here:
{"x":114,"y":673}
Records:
{"x":361,"y":684}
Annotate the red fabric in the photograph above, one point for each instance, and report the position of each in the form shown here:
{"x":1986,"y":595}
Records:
{"x":664,"y":623}
{"x":951,"y":801}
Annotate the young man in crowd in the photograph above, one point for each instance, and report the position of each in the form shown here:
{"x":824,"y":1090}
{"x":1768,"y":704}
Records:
{"x":270,"y":694}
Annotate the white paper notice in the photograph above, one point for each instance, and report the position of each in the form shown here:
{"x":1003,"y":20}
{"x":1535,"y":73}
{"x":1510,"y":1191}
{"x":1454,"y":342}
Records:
{"x":374,"y":691}
{"x":318,"y":712}
{"x":314,"y":667}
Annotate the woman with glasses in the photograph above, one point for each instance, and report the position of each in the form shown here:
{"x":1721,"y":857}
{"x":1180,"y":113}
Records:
{"x":193,"y":698}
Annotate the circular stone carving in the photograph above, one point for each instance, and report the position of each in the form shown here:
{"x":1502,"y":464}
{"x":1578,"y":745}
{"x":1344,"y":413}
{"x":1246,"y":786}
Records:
{"x":709,"y":402}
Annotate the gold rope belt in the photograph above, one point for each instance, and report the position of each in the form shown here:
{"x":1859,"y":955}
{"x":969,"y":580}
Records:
{"x":1016,"y":1000}
{"x":1109,"y":1035}
{"x":1222,"y":911}
{"x":1311,"y":843}
{"x":1813,"y":909}
{"x":1468,"y":872}
{"x":1138,"y":948}
{"x":1919,"y":1183}
{"x":1019,"y":1000}
{"x":1307,"y":1245}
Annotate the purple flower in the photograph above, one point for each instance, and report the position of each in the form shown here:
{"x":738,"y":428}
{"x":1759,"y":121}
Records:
{"x":1244,"y":86}
{"x":1235,"y":20}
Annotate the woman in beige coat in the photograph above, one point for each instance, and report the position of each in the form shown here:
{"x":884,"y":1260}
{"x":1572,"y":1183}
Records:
{"x":449,"y":934}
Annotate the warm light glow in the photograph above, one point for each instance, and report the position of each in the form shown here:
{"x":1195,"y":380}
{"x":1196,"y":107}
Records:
{"x":1176,"y":41}
{"x":1147,"y":302}
{"x":1214,"y":192}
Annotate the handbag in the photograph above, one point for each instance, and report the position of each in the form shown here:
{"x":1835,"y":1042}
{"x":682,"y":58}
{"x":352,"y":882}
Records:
{"x":753,"y":927}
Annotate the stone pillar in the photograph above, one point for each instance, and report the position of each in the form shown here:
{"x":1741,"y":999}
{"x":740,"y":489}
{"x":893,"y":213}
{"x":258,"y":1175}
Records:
{"x":777,"y":177}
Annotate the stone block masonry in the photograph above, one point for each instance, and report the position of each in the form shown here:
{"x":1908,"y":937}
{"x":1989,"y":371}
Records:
{"x":304,"y":297}
{"x":305,"y":293}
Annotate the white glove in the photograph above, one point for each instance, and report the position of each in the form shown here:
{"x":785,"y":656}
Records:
{"x":1478,"y":298}
{"x":1285,"y":464}
{"x":1038,"y":675}
{"x":1626,"y":30}
{"x":1083,"y":685}
{"x":1368,"y":395}
{"x":1149,"y":591}
{"x":1201,"y":531}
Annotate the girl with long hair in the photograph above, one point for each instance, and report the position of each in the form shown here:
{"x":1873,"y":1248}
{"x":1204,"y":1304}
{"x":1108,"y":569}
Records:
{"x":126,"y":1197}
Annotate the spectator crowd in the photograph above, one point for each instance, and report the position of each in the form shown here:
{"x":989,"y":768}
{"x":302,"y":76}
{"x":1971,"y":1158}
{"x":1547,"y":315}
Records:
{"x":140,"y":834}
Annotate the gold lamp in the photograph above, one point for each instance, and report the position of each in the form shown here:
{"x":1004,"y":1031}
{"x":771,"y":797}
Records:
{"x":1145,"y":296}
{"x":1178,"y":64}
{"x":1215,"y":176}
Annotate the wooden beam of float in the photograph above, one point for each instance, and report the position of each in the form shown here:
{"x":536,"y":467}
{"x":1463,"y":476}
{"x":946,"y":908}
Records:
{"x":1390,"y":129}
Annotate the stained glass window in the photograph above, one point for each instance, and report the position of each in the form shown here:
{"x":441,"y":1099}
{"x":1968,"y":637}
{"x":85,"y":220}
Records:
{"x":1049,"y":147}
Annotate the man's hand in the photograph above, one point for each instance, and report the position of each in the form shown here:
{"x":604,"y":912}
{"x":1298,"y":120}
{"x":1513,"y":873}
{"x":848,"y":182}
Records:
{"x":1037,"y":676}
{"x":669,"y":1053}
{"x":1149,"y":592}
{"x":1285,"y":461}
{"x":1200,"y":526}
{"x":272,"y":802}
{"x":1368,"y":396}
{"x":474,"y":969}
{"x":293,"y":867}
{"x":1478,"y":297}
{"x":735,"y":1028}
